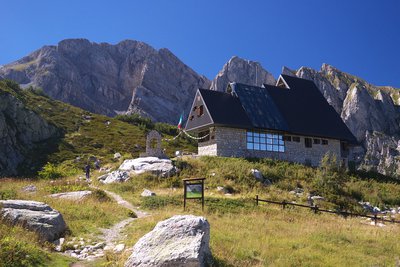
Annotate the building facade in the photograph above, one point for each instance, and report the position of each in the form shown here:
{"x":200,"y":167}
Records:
{"x":269,"y":122}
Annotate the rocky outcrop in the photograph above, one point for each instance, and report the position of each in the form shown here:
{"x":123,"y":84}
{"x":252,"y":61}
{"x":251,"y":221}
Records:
{"x":382,"y":154}
{"x":241,"y":71}
{"x":154,"y":165}
{"x":181,"y":241}
{"x":76,"y":195}
{"x":130,"y":167}
{"x":114,"y":177}
{"x":372,"y":113}
{"x":130,"y":76}
{"x":20,"y":130}
{"x":34,"y":216}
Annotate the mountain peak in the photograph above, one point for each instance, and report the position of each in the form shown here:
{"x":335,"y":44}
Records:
{"x":241,"y":70}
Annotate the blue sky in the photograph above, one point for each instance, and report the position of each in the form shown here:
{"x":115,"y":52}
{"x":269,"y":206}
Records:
{"x":361,"y":37}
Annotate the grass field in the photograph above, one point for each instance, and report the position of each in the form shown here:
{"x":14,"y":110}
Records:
{"x":242,"y":234}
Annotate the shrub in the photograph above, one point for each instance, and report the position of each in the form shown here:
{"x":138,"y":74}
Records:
{"x":100,"y":195}
{"x":51,"y":171}
{"x":15,"y":253}
{"x":137,"y":120}
{"x":7,"y":194}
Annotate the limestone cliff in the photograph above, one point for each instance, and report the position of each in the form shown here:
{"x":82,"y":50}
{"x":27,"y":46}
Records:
{"x":20,"y":130}
{"x":371,"y":112}
{"x":241,"y":71}
{"x":130,"y":76}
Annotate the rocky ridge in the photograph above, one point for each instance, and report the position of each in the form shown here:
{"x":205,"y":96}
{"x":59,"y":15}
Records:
{"x":242,"y":71}
{"x":130,"y":77}
{"x":372,"y":113}
{"x":133,"y":77}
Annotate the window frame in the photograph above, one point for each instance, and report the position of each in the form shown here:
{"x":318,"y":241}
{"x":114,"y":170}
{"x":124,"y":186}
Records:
{"x":265,"y":141}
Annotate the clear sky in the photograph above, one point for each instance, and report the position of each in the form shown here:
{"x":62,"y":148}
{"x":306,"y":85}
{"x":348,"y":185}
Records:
{"x":361,"y":37}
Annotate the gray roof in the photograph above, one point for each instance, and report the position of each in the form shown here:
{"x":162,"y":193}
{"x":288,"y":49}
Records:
{"x":301,"y":109}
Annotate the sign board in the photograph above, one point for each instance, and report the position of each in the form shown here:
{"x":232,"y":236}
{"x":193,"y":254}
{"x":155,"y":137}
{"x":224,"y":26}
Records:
{"x":193,"y":189}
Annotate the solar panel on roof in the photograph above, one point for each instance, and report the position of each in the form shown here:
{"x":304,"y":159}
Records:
{"x":260,"y":107}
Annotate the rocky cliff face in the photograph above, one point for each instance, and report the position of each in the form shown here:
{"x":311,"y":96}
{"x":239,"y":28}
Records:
{"x":241,"y":71}
{"x":20,"y":130}
{"x":371,"y":112}
{"x":109,"y":79}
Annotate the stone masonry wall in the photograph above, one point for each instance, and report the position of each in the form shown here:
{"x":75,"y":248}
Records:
{"x":230,"y":142}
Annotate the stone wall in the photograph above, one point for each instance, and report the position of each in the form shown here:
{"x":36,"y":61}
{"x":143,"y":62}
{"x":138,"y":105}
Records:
{"x":231,"y":142}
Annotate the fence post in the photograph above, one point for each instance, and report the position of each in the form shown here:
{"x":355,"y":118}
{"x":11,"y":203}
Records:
{"x":315,"y":209}
{"x":375,"y":218}
{"x":283,"y":204}
{"x":256,"y":200}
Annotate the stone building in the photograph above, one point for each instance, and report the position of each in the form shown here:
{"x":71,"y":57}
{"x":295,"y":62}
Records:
{"x":290,"y":121}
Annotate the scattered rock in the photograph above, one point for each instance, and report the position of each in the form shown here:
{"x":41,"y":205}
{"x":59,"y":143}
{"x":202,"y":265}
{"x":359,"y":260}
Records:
{"x":114,"y":177}
{"x":58,"y":243}
{"x":157,"y":166}
{"x":220,"y":188}
{"x":317,"y":198}
{"x":35,"y":216}
{"x":119,"y":248}
{"x":297,"y":191}
{"x":117,"y":155}
{"x":147,"y":193}
{"x":76,"y":195}
{"x":182,"y":240}
{"x":29,"y":188}
{"x":259,"y":177}
{"x":99,"y":245}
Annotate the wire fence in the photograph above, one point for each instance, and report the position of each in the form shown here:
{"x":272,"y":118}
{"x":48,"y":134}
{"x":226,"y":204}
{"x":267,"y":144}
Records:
{"x":316,"y":209}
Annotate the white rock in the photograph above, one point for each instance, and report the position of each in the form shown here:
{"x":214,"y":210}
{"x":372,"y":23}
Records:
{"x":114,"y":177}
{"x":99,"y":245}
{"x":161,"y":167}
{"x":117,"y":155}
{"x":182,"y":240}
{"x":29,"y":188}
{"x":34,"y":216}
{"x":119,"y":248}
{"x":76,"y":195}
{"x":147,"y":193}
{"x":317,"y":198}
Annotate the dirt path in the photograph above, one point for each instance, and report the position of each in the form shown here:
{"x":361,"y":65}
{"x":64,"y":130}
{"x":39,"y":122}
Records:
{"x":111,"y":235}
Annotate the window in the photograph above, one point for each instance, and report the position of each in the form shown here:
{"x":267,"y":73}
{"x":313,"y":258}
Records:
{"x":200,"y":111}
{"x":287,"y":138}
{"x":308,"y":142}
{"x":317,"y":141}
{"x":296,"y":139}
{"x":265,"y":141}
{"x":324,"y":142}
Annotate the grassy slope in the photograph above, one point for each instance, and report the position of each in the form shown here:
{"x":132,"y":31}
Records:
{"x":245,"y":235}
{"x":241,"y":234}
{"x":83,"y":134}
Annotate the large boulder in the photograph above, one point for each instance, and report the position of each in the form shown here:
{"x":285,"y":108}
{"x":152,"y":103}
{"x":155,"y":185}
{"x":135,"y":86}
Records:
{"x":161,"y":167}
{"x":76,"y":195}
{"x":34,"y":216}
{"x":182,"y":240}
{"x":114,"y":177}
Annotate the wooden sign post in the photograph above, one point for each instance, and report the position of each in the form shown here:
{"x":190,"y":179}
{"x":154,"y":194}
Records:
{"x":193,"y":188}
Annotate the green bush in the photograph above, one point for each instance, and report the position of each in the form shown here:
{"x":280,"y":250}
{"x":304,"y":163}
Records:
{"x":51,"y":171}
{"x":137,"y":120}
{"x":61,"y":186}
{"x":15,"y":253}
{"x":8,"y":194}
{"x":100,"y":195}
